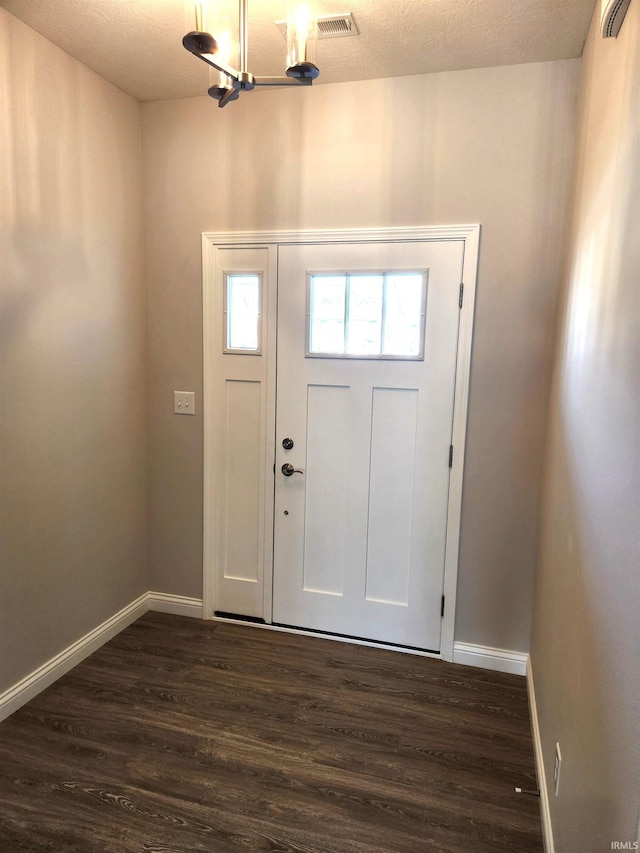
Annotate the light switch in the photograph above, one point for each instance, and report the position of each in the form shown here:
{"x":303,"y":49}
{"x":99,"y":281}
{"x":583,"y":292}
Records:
{"x":184,"y":402}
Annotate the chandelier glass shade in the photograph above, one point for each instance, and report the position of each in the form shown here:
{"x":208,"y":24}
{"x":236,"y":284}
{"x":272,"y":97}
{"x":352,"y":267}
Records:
{"x":216,"y":51}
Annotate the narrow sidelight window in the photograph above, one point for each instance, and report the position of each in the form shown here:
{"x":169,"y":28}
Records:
{"x":242,"y":313}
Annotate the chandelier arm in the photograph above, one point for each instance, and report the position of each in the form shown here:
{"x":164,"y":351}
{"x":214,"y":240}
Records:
{"x":231,"y":95}
{"x":283,"y":81}
{"x":226,"y":69}
{"x":212,"y":60}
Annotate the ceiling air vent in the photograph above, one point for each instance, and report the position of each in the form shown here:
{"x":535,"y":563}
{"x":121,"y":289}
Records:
{"x":329,"y":26}
{"x":335,"y":26}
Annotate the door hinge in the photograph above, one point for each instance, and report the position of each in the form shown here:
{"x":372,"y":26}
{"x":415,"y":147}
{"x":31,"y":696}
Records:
{"x":461,"y":294}
{"x":451,"y":456}
{"x":442,"y":608}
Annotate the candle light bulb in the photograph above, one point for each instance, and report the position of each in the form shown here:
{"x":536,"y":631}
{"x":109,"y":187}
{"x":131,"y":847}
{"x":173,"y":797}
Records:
{"x":301,"y":32}
{"x":201,"y":23}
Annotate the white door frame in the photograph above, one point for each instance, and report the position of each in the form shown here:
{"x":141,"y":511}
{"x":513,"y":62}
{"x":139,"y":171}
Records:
{"x":211,"y":242}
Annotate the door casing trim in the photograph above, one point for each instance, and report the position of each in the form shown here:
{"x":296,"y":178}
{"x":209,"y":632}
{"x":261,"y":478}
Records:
{"x":470,"y":236}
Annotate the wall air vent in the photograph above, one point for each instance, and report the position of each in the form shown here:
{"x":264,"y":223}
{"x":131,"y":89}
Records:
{"x":330,"y":26}
{"x":611,"y":17}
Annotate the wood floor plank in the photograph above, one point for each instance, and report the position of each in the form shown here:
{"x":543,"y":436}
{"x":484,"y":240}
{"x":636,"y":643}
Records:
{"x":180,"y":735}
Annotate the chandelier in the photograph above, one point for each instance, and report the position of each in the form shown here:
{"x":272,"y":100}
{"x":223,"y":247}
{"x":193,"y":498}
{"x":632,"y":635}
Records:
{"x":300,"y":71}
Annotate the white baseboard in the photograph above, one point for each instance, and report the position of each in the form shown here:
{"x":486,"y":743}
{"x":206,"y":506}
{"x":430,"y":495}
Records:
{"x":42,"y":677}
{"x":545,"y":814}
{"x":486,"y":657}
{"x":57,"y":666}
{"x":179,"y":605}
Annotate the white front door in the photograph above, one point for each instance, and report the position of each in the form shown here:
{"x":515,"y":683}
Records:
{"x":367,"y":399}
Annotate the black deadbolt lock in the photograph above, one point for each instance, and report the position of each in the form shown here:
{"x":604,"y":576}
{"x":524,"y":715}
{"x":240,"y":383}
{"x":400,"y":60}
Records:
{"x":287,"y":443}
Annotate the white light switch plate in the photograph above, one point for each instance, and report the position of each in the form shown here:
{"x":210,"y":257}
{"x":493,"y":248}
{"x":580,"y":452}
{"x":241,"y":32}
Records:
{"x":184,"y":402}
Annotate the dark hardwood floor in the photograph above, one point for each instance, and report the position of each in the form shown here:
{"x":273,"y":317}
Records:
{"x":181,"y":735}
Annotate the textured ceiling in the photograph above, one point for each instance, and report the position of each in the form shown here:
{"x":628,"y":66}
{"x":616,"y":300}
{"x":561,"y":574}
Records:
{"x":137,"y":44}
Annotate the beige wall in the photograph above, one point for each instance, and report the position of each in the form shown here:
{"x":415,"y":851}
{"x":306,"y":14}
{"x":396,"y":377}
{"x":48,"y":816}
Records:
{"x":73,"y":494}
{"x":492,"y":146}
{"x":586,"y":649}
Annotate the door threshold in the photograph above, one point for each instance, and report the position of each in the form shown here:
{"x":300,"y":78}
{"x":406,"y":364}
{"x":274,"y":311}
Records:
{"x":253,"y":622}
{"x":352,"y":638}
{"x":238,"y":617}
